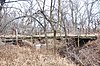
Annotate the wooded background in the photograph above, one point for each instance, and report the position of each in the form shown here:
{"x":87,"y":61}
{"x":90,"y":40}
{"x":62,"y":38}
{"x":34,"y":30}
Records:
{"x":42,"y":16}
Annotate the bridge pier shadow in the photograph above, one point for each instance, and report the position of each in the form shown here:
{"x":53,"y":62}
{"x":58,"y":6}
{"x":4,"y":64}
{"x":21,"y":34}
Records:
{"x":83,"y":41}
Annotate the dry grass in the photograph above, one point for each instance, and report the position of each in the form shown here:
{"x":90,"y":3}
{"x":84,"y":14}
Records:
{"x":88,"y":55}
{"x":11,"y":55}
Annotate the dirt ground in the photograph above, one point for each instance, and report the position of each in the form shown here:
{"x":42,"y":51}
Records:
{"x":12,"y":55}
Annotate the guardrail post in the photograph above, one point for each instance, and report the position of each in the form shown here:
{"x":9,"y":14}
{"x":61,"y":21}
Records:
{"x":78,"y":37}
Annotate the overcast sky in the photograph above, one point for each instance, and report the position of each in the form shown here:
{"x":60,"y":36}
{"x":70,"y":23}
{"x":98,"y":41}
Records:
{"x":24,"y":6}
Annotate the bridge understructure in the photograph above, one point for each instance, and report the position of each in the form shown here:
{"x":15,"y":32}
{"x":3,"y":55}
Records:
{"x":80,"y":40}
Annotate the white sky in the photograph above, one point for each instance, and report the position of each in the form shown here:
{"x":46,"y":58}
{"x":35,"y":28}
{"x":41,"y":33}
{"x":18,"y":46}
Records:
{"x":25,"y":6}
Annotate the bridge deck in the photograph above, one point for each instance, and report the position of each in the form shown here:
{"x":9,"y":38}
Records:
{"x":51,"y":36}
